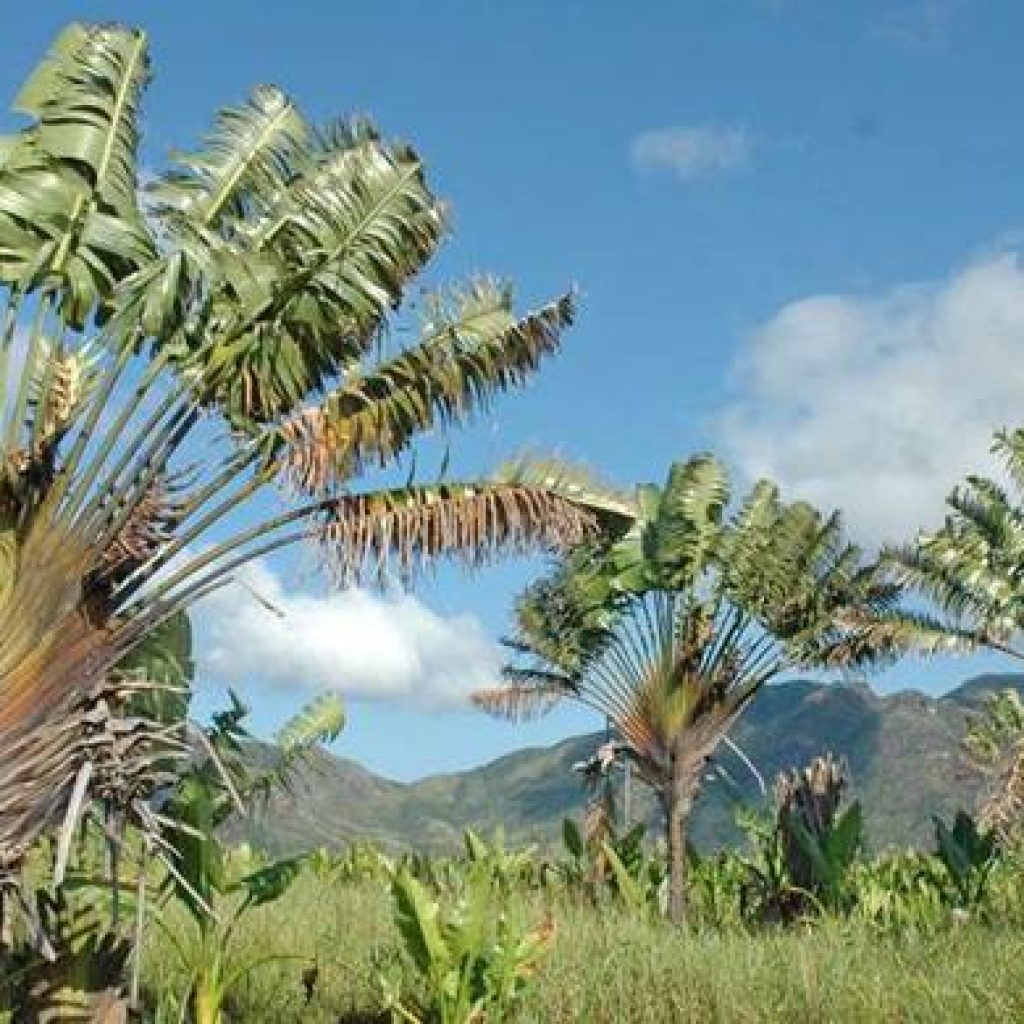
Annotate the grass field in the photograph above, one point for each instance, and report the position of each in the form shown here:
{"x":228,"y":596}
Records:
{"x":609,"y":966}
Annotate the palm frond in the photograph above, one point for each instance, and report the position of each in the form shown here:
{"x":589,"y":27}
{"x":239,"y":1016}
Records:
{"x":575,"y":482}
{"x":472,"y":348}
{"x":688,"y":524}
{"x":525,"y":694}
{"x":562,"y":619}
{"x":366,"y":534}
{"x":1009,"y":444}
{"x":320,"y":721}
{"x":952,"y":572}
{"x":354,"y":231}
{"x":247,"y":160}
{"x":68,"y":207}
{"x":879,"y":637}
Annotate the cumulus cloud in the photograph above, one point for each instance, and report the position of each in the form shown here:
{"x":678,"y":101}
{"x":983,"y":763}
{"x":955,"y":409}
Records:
{"x":354,"y":642}
{"x":690,"y":151}
{"x":880,"y":404}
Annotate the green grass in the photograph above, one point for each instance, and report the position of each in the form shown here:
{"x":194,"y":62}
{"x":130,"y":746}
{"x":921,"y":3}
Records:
{"x":607,"y":968}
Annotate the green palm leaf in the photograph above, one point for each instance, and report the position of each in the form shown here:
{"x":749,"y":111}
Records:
{"x":473,"y":347}
{"x":320,"y":721}
{"x":248,"y":159}
{"x":68,"y":207}
{"x":686,"y":529}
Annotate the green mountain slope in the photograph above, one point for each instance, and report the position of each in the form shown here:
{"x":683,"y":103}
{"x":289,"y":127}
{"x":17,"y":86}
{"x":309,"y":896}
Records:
{"x":903,"y":752}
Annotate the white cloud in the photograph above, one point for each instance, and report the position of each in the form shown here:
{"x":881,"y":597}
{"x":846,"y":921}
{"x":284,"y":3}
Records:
{"x":879,"y":405}
{"x":353,"y":642}
{"x":690,"y":151}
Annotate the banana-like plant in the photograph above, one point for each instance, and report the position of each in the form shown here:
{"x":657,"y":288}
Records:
{"x":637,"y":881}
{"x":206,"y":880}
{"x":195,"y":377}
{"x":475,"y":963}
{"x":508,"y":868}
{"x":670,"y":628}
{"x":819,"y":844}
{"x":900,"y":893}
{"x":832,"y":852}
{"x":968,"y":853}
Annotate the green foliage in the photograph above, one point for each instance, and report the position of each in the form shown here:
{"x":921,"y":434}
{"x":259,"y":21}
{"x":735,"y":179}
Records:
{"x":216,"y":889}
{"x":358,"y":862}
{"x":969,"y":568}
{"x":506,"y":868}
{"x":968,"y":855}
{"x":163,"y":663}
{"x":475,"y":963}
{"x":608,"y":963}
{"x":638,"y":882}
{"x":610,"y":868}
{"x":83,"y":975}
{"x":832,"y":852}
{"x":766,"y":893}
{"x":996,"y":730}
{"x":572,"y":838}
{"x":320,"y":721}
{"x":901,"y":894}
{"x":670,"y":624}
{"x":268,"y":883}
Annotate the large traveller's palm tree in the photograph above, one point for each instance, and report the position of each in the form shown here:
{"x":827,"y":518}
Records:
{"x":672,"y":628}
{"x":196,"y":374}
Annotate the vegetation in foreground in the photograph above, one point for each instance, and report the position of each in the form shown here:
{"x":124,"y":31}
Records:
{"x":608,"y":964}
{"x":800,"y":925}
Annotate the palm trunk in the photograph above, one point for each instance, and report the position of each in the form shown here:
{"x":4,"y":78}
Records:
{"x":678,"y":803}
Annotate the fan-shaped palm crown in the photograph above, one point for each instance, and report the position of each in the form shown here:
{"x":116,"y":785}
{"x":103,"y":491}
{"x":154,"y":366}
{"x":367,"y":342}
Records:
{"x":670,"y":628}
{"x":163,"y":364}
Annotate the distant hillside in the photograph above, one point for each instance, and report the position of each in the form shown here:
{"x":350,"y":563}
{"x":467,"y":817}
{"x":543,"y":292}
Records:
{"x":903,"y":752}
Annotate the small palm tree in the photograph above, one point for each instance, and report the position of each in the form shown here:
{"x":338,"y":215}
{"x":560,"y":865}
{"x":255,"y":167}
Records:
{"x":196,"y":376}
{"x":671,"y":628}
{"x":972,"y":571}
{"x":971,"y":568}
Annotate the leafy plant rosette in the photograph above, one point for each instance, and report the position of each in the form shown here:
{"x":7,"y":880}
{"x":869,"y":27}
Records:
{"x":474,"y":962}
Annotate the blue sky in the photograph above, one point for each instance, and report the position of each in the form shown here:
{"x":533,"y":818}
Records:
{"x":794,"y":225}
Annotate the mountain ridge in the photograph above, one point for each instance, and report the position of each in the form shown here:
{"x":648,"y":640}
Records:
{"x":902,"y":750}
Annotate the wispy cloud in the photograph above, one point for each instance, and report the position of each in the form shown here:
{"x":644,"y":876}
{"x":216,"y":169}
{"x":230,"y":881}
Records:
{"x":355,"y":642}
{"x":690,"y":151}
{"x":880,"y":404}
{"x":920,"y":24}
